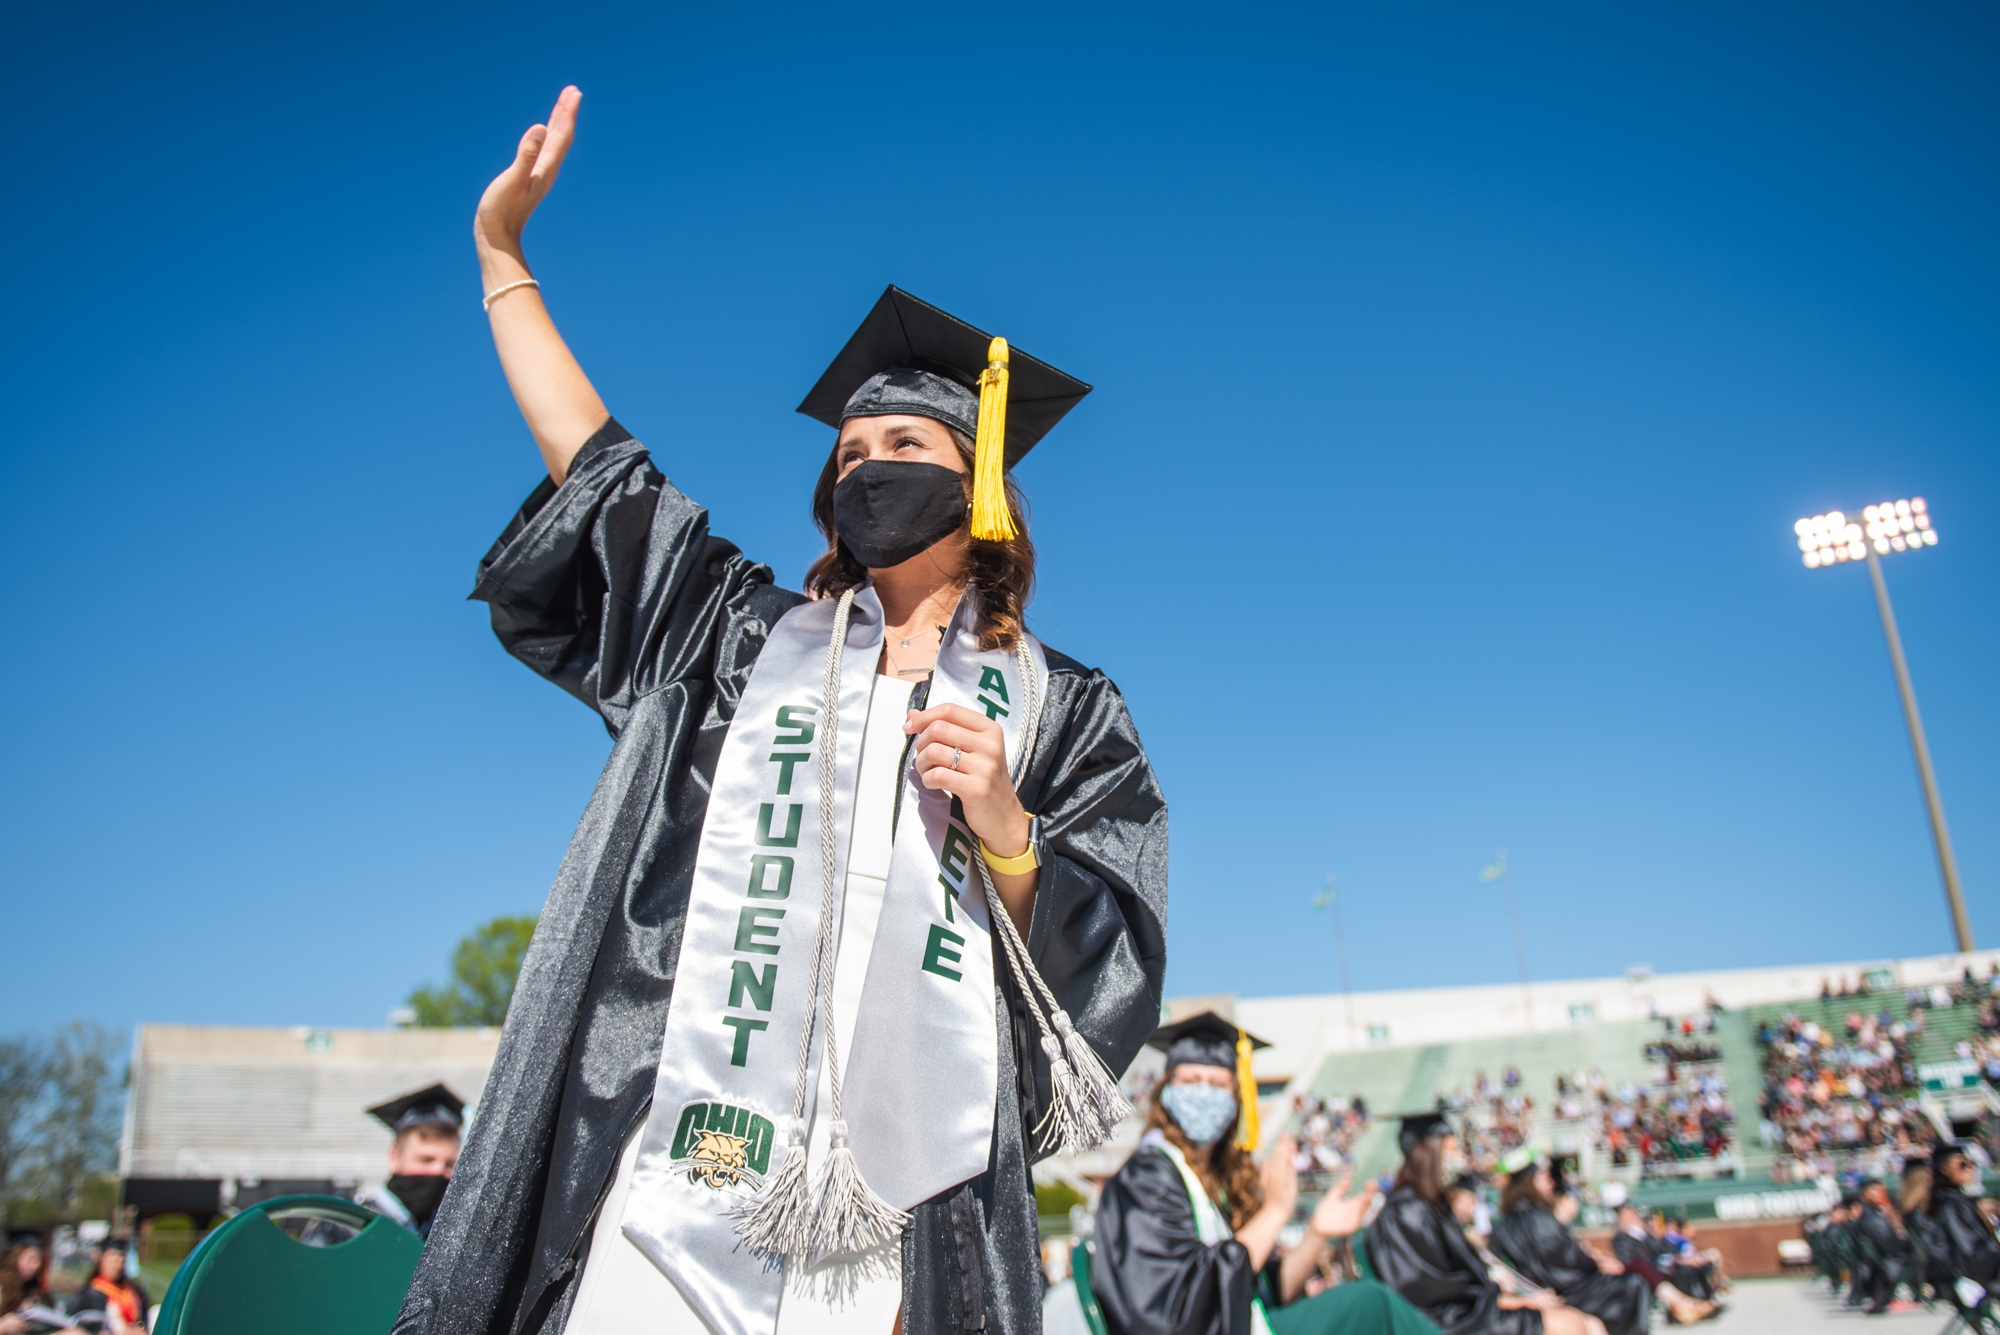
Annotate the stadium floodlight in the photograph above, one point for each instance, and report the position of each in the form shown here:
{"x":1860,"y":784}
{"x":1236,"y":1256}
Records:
{"x":1886,"y":529}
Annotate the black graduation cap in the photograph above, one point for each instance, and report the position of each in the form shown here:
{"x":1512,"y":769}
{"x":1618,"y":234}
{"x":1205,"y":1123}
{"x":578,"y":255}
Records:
{"x":1202,"y":1040}
{"x":934,"y":361}
{"x":24,"y":1237}
{"x":433,"y":1105}
{"x":1419,"y":1127}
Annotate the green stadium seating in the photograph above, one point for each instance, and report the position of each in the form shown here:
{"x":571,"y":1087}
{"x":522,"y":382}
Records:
{"x":250,"y":1277}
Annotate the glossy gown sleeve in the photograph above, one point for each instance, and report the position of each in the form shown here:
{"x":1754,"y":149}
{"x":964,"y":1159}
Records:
{"x":1969,"y":1242}
{"x":611,"y":585}
{"x":1098,"y":935}
{"x":1418,"y":1251}
{"x":1152,"y":1273}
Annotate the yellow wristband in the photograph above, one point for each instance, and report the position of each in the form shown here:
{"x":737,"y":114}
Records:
{"x":1014,"y":866}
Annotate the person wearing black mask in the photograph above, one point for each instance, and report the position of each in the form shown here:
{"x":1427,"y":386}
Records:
{"x":870,"y":900}
{"x":426,"y":1125}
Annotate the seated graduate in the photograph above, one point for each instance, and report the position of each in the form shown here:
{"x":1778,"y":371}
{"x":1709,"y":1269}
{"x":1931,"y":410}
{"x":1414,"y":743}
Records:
{"x":1925,"y":1239}
{"x":1542,"y":1247}
{"x":1676,"y":1236}
{"x":1640,"y":1255}
{"x":25,"y":1305}
{"x":111,"y":1301}
{"x":1421,"y":1251}
{"x":426,"y":1125}
{"x":1889,"y":1240}
{"x":1187,"y":1230}
{"x":1971,"y":1252}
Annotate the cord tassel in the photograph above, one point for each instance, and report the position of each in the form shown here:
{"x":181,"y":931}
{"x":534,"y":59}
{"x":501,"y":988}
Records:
{"x":991,"y":520}
{"x":851,"y":1217}
{"x":1249,"y":1134}
{"x":779,"y":1221}
{"x":1108,"y":1106}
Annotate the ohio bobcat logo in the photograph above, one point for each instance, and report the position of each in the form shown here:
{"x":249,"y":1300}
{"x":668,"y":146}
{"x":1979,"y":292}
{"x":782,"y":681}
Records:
{"x":722,"y":1145}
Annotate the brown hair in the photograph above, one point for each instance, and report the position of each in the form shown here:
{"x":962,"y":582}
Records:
{"x":12,"y":1290}
{"x":1916,"y":1190}
{"x":1521,"y":1189}
{"x":1423,"y":1170}
{"x":1230,"y":1176}
{"x":431,"y":1131}
{"x":1003,"y":572}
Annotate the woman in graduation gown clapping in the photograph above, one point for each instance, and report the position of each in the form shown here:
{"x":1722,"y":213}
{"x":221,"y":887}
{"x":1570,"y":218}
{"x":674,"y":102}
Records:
{"x":1543,"y":1249}
{"x":1187,"y":1230}
{"x":1420,"y":1251}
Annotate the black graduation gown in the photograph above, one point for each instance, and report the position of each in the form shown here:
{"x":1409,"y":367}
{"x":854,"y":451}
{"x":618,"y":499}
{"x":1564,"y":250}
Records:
{"x":1543,"y":1249}
{"x":612,"y":587}
{"x":1419,"y":1251}
{"x":1969,"y":1245}
{"x":1153,"y":1275}
{"x":1924,"y":1230}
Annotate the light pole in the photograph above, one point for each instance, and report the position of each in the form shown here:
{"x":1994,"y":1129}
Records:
{"x":1329,"y":898}
{"x":1887,"y":529}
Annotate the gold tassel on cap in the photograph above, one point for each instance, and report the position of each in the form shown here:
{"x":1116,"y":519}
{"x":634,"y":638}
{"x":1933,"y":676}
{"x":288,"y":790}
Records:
{"x":990,"y":520}
{"x":1248,"y":1132}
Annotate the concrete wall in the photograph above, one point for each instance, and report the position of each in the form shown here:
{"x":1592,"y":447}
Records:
{"x":1304,"y":1030}
{"x":214,"y":1102}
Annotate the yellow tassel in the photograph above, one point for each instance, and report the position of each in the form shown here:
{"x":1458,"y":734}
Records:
{"x":990,"y":520}
{"x":1248,"y":1132}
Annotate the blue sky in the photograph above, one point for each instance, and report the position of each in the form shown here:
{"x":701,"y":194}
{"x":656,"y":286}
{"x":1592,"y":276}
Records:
{"x":1461,"y":370}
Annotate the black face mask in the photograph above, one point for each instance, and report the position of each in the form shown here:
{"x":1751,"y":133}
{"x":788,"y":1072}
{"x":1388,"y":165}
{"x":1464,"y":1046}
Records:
{"x":887,"y":512}
{"x":419,"y":1193}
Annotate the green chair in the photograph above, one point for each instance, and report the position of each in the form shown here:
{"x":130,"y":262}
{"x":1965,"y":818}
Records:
{"x":251,"y":1277}
{"x":1361,"y":1261}
{"x":1079,"y":1269}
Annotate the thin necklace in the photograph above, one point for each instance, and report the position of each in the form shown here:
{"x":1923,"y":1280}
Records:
{"x":916,"y":672}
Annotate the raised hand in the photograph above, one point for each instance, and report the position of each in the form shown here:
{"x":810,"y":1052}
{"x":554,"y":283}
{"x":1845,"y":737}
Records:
{"x":505,"y":207}
{"x":556,"y":398}
{"x":1281,"y":1177}
{"x":1337,"y":1215}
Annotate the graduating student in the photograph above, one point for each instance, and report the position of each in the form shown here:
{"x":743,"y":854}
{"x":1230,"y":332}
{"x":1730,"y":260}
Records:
{"x":426,"y":1126}
{"x":1636,"y":1250}
{"x":870,"y":898}
{"x":1187,"y":1230}
{"x":110,"y":1300}
{"x":1546,"y":1252}
{"x":1969,"y":1250}
{"x":1421,"y":1251}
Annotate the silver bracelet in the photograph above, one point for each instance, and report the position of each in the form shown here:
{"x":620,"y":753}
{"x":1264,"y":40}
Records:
{"x":501,"y":291}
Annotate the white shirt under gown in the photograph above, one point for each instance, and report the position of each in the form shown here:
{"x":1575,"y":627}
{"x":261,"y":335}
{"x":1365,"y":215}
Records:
{"x":623,"y":1293}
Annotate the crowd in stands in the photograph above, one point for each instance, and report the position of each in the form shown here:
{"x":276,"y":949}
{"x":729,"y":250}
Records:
{"x":1326,"y":1130}
{"x":1683,"y":1116}
{"x":1833,"y":1100}
{"x":1493,"y":1119}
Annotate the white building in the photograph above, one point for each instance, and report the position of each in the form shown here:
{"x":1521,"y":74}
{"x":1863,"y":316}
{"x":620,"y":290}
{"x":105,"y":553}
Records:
{"x":221,"y":1116}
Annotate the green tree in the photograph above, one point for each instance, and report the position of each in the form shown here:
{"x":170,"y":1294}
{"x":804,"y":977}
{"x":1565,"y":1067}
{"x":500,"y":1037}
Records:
{"x":483,"y":970}
{"x":24,"y":1073}
{"x":75,"y":1139}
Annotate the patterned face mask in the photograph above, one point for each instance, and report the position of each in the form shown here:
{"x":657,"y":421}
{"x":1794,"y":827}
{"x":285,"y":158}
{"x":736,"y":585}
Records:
{"x":1203,"y":1112}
